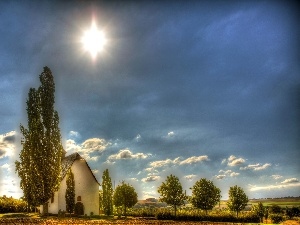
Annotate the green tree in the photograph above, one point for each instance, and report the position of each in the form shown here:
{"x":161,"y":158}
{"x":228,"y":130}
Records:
{"x":205,"y":195}
{"x":107,"y":193}
{"x":40,"y":158}
{"x":259,"y":210}
{"x":237,"y":199}
{"x":100,"y":201}
{"x":70,"y":192}
{"x":125,"y":196}
{"x":171,"y":192}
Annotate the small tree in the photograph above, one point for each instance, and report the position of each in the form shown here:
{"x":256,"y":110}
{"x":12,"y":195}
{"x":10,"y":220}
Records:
{"x":70,"y":192}
{"x":259,"y":210}
{"x":107,"y":189}
{"x":171,"y":192}
{"x":125,"y":196}
{"x":237,"y":199}
{"x":205,"y":195}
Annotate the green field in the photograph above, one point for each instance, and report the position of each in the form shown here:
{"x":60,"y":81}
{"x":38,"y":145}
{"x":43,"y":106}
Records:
{"x":282,"y":202}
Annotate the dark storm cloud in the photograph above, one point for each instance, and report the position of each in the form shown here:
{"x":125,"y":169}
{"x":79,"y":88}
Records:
{"x":203,"y":65}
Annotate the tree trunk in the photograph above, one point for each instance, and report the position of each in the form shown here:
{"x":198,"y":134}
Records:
{"x":175,"y":210}
{"x":125,"y":211}
{"x":45,"y":209}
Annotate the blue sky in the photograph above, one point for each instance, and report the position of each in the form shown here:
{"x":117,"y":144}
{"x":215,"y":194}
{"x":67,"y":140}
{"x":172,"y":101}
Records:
{"x":199,"y":89}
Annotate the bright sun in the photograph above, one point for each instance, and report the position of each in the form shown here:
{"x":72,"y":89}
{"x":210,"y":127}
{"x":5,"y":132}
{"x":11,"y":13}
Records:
{"x":93,"y":40}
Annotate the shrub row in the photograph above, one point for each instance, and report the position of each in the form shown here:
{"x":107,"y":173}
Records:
{"x":11,"y":205}
{"x":195,"y":215}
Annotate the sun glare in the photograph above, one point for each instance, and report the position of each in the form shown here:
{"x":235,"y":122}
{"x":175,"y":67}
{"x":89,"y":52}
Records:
{"x":93,"y":40}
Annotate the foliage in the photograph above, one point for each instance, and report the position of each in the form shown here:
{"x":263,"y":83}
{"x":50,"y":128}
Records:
{"x":40,"y":158}
{"x":11,"y":205}
{"x":100,"y":201}
{"x":107,"y":189}
{"x":70,"y":192}
{"x":125,"y":196}
{"x":276,"y":218}
{"x":198,"y":215}
{"x":237,"y":199}
{"x":259,"y":210}
{"x":205,"y":195}
{"x":79,"y":209}
{"x":171,"y":192}
{"x":275,"y":209}
{"x":293,"y":212}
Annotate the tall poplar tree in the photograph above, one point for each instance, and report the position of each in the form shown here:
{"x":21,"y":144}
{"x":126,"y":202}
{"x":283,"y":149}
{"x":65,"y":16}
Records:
{"x":40,"y":158}
{"x":107,"y":193}
{"x":70,"y":192}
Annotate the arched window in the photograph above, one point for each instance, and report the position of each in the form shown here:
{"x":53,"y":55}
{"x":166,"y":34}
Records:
{"x":79,"y":199}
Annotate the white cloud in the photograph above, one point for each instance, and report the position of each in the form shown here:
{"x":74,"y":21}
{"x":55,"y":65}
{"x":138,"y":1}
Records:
{"x":6,"y":166}
{"x":290,"y":181}
{"x":161,"y":163}
{"x":88,"y":147}
{"x":127,"y":154}
{"x":151,"y":170}
{"x":277,"y":186}
{"x":220,"y":176}
{"x":234,"y":161}
{"x":256,"y":167}
{"x":224,"y":173}
{"x":138,"y":137}
{"x":95,"y":144}
{"x":7,"y":144}
{"x":190,"y":177}
{"x":178,"y":161}
{"x":276,"y":176}
{"x":151,"y":178}
{"x":171,"y":134}
{"x":72,"y":146}
{"x":95,"y":171}
{"x":194,"y":159}
{"x":134,"y":179}
{"x":74,"y":134}
{"x":234,"y":174}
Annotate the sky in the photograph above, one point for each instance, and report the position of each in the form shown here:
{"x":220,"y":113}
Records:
{"x":197,"y":89}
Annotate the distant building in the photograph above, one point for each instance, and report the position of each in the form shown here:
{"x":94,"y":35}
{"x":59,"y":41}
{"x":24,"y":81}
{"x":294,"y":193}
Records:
{"x":86,"y":187}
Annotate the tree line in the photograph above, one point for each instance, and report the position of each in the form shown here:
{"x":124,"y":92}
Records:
{"x":205,"y":195}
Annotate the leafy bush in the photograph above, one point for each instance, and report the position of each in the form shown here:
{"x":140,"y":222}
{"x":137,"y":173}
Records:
{"x":11,"y":205}
{"x":213,"y":216}
{"x":276,"y":218}
{"x":292,"y":212}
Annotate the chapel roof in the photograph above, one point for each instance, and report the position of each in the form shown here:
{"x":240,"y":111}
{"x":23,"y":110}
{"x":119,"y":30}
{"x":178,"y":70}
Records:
{"x":68,"y":161}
